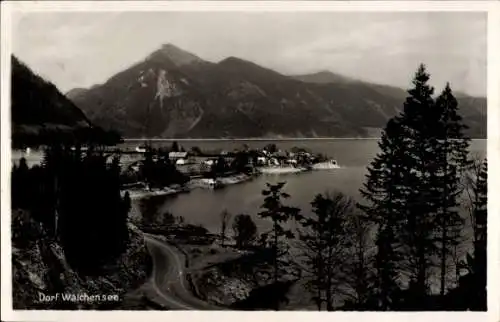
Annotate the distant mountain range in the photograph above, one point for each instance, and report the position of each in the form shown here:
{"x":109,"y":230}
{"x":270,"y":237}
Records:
{"x":176,"y":94}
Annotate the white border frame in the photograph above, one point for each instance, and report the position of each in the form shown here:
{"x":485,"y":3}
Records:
{"x":493,"y":151}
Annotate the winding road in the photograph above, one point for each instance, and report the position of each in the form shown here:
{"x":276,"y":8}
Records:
{"x":168,"y":278}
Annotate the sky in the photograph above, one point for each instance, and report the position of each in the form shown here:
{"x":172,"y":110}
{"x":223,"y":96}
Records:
{"x":78,"y":49}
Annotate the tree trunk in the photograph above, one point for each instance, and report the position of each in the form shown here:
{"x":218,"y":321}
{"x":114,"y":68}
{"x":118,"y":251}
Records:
{"x":276,"y":259}
{"x":56,"y":209}
{"x":421,"y":277}
{"x":319,"y":300}
{"x":275,"y":253}
{"x":320,"y":280}
{"x":223,"y":234}
{"x":443,"y":259}
{"x":328,"y":278}
{"x":443,"y":219}
{"x":329,"y":305}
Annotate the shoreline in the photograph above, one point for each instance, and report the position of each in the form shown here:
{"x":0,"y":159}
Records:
{"x":138,"y":194}
{"x":281,"y":170}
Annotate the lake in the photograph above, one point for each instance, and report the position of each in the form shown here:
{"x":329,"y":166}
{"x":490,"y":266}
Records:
{"x":203,"y":207}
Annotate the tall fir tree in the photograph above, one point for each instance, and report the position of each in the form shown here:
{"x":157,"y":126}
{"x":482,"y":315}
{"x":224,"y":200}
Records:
{"x":245,"y":230}
{"x":360,"y":265}
{"x":385,"y":196}
{"x":327,"y":240}
{"x":274,"y":209}
{"x":419,"y":124}
{"x":480,"y":235}
{"x":451,"y":162}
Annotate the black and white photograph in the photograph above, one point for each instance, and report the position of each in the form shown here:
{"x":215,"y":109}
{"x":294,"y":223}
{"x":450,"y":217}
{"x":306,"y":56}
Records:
{"x":232,"y":160}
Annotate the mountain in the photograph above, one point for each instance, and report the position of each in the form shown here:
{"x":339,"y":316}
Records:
{"x":75,"y":92}
{"x":175,"y":55}
{"x":175,"y":94}
{"x":472,"y":109}
{"x":41,"y":114}
{"x":324,"y":77}
{"x":38,"y":106}
{"x":36,"y":102}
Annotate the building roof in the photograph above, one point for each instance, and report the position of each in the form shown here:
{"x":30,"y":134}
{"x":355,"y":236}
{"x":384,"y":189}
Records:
{"x":177,"y":154}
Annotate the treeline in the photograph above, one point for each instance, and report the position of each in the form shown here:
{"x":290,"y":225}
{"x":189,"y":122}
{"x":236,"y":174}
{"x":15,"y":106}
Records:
{"x":76,"y":197}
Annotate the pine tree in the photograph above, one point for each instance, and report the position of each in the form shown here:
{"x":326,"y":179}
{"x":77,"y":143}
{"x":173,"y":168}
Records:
{"x":244,"y":229}
{"x":175,"y":147}
{"x":147,"y":167}
{"x":21,"y":186}
{"x":279,"y":214}
{"x":471,"y":292}
{"x":385,"y":193}
{"x":451,"y":162}
{"x":359,"y":266}
{"x":480,"y":235}
{"x":225,"y":217}
{"x":419,"y":123}
{"x":326,"y":241}
{"x":127,"y":202}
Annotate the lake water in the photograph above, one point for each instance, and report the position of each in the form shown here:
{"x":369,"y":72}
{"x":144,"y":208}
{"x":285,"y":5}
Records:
{"x":203,"y":207}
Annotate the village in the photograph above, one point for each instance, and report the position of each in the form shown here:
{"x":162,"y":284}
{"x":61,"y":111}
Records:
{"x":211,"y":169}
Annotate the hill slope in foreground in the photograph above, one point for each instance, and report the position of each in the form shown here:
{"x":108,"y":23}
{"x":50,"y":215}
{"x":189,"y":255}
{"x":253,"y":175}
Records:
{"x":39,"y":267}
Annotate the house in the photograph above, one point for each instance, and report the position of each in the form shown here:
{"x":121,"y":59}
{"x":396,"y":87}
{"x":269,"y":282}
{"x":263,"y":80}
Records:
{"x":261,"y":160}
{"x":177,"y":155}
{"x":281,"y":154}
{"x":274,"y":162}
{"x":180,"y":162}
{"x":209,"y":162}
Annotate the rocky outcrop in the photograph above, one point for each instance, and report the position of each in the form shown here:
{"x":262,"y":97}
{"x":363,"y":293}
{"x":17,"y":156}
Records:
{"x":40,"y":270}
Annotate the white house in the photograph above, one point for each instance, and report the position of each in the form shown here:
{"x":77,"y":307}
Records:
{"x":208,"y":162}
{"x":261,"y":160}
{"x":274,"y":161}
{"x":180,"y":162}
{"x":177,"y":155}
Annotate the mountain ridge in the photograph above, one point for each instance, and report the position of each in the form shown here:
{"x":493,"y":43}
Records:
{"x":41,"y":114}
{"x":175,"y":94}
{"x":38,"y":108}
